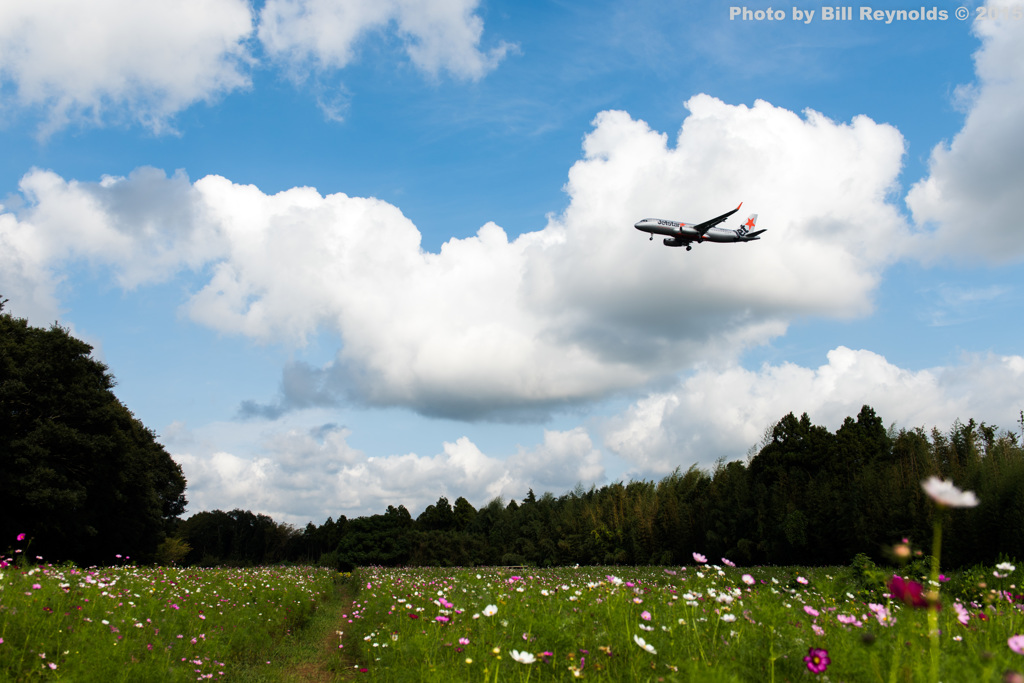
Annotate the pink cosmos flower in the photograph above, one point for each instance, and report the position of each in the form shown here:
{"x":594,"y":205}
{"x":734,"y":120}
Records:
{"x":21,"y":537}
{"x":801,"y":580}
{"x":1016,"y":644}
{"x":645,"y":615}
{"x":817,"y":660}
{"x":727,"y":562}
{"x":881,"y":614}
{"x":962,"y":615}
{"x":748,"y":579}
{"x":810,"y":610}
{"x":700,"y":558}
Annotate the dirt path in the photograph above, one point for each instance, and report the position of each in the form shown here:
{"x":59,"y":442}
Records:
{"x":326,"y":662}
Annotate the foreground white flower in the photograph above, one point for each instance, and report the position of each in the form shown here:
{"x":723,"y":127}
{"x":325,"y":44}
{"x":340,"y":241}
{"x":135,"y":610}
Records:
{"x":522,"y":657}
{"x":644,"y":644}
{"x":490,"y":610}
{"x":945,"y":494}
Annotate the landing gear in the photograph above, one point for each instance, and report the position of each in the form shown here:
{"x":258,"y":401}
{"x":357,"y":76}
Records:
{"x":688,"y":247}
{"x":652,"y":238}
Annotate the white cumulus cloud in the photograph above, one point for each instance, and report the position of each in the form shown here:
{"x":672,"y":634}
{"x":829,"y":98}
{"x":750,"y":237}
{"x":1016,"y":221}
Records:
{"x":821,"y":188}
{"x":297,"y":475}
{"x":970,"y":201}
{"x":121,"y":59}
{"x":326,"y":34}
{"x":488,"y":326}
{"x":124,"y":62}
{"x":717,"y":413}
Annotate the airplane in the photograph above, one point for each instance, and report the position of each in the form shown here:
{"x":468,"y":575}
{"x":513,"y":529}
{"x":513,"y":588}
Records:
{"x":682,"y":234}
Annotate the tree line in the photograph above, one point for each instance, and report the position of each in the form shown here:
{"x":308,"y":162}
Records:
{"x":808,"y":496}
{"x":87,"y":482}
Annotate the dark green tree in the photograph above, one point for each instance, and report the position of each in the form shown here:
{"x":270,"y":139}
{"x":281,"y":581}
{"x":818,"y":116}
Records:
{"x":465,"y":514}
{"x":438,"y":516}
{"x":78,"y":473}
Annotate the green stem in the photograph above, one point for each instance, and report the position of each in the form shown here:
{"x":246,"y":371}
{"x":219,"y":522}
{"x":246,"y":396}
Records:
{"x":895,"y":666}
{"x":696,"y":634}
{"x":933,"y":600}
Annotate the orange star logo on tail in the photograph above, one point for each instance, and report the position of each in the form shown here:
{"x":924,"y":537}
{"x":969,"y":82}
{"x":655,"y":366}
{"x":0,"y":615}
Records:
{"x":750,"y":222}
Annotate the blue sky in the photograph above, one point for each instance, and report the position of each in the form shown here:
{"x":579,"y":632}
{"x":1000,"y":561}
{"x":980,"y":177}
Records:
{"x":341,"y":255}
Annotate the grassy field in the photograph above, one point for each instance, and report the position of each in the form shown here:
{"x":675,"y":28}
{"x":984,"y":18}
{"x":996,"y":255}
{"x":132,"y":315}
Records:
{"x":708,"y":622}
{"x":150,"y":623}
{"x":703,"y":623}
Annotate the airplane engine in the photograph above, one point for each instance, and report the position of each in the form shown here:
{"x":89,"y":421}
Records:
{"x":672,"y":242}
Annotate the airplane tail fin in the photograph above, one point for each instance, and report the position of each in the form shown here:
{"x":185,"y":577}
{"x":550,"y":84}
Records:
{"x":748,"y":225}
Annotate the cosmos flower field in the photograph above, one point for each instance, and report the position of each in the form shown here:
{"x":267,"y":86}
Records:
{"x":131,"y":623}
{"x":706,"y":622}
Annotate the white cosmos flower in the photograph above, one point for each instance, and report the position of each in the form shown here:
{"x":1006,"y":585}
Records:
{"x":1006,"y":567}
{"x":490,"y":610}
{"x":644,"y":644}
{"x":522,"y":657}
{"x":945,"y":494}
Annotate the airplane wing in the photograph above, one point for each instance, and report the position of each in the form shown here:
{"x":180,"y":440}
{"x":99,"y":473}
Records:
{"x":702,"y":228}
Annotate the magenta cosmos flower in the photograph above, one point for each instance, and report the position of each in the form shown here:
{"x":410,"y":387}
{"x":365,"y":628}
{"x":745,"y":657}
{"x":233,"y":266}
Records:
{"x":817,"y":660}
{"x":909,"y":592}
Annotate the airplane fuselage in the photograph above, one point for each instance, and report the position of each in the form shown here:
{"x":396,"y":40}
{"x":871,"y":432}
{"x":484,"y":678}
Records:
{"x":684,"y":232}
{"x":679,"y":234}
